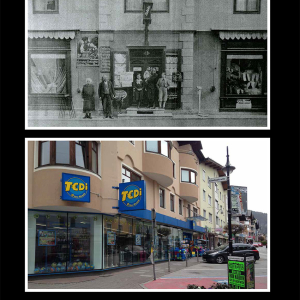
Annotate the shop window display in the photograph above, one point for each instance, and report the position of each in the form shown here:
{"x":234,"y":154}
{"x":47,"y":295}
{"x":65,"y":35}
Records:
{"x":139,"y":253}
{"x":147,"y":233}
{"x":125,"y":241}
{"x":244,"y":75}
{"x":48,"y":73}
{"x":111,"y":251}
{"x":163,"y":233}
{"x":48,"y":243}
{"x":85,"y":248}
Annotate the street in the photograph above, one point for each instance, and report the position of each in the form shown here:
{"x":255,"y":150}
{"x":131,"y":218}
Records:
{"x":141,"y":277}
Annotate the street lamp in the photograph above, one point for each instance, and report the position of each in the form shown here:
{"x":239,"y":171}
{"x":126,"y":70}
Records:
{"x":229,"y":169}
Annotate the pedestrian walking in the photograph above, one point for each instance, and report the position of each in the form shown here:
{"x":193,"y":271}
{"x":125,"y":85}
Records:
{"x":87,"y":94}
{"x":106,"y":93}
{"x":163,"y":85}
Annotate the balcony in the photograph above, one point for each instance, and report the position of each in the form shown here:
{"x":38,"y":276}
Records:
{"x":189,"y":192}
{"x":158,"y":167}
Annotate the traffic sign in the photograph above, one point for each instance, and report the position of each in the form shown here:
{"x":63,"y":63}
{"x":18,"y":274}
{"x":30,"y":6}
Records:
{"x":217,"y":179}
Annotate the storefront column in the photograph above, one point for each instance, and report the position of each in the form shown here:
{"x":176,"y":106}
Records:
{"x":187,"y":98}
{"x":31,"y":241}
{"x":96,"y":243}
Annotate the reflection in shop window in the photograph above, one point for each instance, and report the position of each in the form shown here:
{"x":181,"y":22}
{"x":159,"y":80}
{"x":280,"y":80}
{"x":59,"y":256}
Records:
{"x":48,"y":73}
{"x":244,"y":75}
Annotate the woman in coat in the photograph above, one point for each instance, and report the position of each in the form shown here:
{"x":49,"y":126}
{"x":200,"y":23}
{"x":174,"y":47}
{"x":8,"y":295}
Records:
{"x":88,"y":92}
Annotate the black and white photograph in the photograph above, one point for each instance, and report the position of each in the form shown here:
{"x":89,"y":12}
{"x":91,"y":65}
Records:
{"x":169,"y":64}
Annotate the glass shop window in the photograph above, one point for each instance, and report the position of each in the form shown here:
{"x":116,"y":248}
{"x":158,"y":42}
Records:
{"x":244,"y":75}
{"x":45,"y":6}
{"x":48,"y":73}
{"x":111,"y":256}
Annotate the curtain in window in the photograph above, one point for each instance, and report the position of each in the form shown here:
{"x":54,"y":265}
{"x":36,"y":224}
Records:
{"x":48,"y":73}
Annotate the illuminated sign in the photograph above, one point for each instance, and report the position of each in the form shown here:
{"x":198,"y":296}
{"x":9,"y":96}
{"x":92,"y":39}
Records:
{"x":75,"y":188}
{"x":241,"y":272}
{"x":132,"y":195}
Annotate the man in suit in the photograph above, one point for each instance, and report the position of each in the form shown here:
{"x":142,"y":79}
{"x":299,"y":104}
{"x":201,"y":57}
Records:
{"x":163,"y":85}
{"x":106,"y":93}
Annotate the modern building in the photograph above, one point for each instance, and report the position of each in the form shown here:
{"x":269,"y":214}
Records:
{"x":215,"y":55}
{"x":77,"y":220}
{"x":213,"y":202}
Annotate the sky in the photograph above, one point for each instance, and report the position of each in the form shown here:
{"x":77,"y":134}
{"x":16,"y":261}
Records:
{"x":251,"y":159}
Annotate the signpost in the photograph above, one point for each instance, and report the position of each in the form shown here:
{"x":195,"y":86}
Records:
{"x":241,"y":273}
{"x":153,"y":216}
{"x":147,"y":8}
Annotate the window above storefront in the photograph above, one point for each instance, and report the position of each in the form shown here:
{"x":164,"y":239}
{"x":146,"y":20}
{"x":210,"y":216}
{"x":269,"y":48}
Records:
{"x":188,"y":176}
{"x":137,"y":6}
{"x":246,"y":6}
{"x":45,"y":6}
{"x":79,"y":154}
{"x":159,"y":147}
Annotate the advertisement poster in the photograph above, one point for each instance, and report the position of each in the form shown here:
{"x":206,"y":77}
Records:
{"x":87,"y":51}
{"x":138,"y":239}
{"x":250,"y":274}
{"x":111,"y":238}
{"x":236,"y":273}
{"x":47,"y":238}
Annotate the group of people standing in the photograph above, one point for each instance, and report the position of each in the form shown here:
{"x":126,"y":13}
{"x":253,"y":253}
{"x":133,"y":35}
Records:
{"x":149,"y":86}
{"x":141,"y":87}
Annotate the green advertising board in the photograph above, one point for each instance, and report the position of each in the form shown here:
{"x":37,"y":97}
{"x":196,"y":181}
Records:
{"x":241,"y":272}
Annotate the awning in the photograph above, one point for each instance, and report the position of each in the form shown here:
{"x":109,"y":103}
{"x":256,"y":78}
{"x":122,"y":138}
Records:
{"x":251,"y":35}
{"x":67,"y":34}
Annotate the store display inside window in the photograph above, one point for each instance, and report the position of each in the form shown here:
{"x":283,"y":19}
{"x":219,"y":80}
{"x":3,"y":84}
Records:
{"x":244,"y":76}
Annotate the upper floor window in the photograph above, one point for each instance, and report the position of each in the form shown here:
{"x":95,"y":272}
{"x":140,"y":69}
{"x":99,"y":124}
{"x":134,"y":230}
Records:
{"x":80,"y":154}
{"x":180,"y":206}
{"x":195,"y":212}
{"x":129,"y":176}
{"x":160,"y":147}
{"x":45,"y":6}
{"x":162,"y":198}
{"x":137,"y":5}
{"x":188,"y":176}
{"x":203,"y":175}
{"x":209,"y":199}
{"x":204,"y":197}
{"x":204,"y":213}
{"x":172,"y":208}
{"x":210,"y":218}
{"x":132,"y":142}
{"x":247,"y":6}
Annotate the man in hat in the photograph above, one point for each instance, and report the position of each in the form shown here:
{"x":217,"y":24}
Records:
{"x":106,"y":93}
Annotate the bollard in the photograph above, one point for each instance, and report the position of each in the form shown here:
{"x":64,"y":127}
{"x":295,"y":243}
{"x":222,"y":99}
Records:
{"x":169,"y":262}
{"x":197,"y":256}
{"x":186,"y":260}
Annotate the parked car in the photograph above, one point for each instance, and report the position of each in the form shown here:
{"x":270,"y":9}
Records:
{"x":255,"y":244}
{"x":260,"y":244}
{"x":220,"y":254}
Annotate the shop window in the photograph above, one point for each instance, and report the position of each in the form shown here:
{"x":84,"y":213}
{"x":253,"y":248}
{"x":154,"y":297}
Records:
{"x":188,"y":176}
{"x":125,"y":242}
{"x":162,"y":198}
{"x":110,"y":240}
{"x":45,"y":6}
{"x":76,"y":154}
{"x":172,"y":207}
{"x":129,"y":176}
{"x":160,"y":147}
{"x":247,"y":6}
{"x":137,"y":5}
{"x":244,"y":75}
{"x":48,"y":73}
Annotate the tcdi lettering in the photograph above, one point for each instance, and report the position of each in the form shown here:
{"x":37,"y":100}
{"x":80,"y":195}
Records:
{"x":129,"y":195}
{"x":75,"y":186}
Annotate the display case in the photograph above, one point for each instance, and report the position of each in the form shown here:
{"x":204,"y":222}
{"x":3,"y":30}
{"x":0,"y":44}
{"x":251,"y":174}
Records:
{"x":173,"y":73}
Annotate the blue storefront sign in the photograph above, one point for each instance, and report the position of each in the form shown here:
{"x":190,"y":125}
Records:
{"x":132,"y":196}
{"x":75,"y":188}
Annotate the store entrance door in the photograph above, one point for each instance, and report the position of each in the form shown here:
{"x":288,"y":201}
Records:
{"x":142,"y":60}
